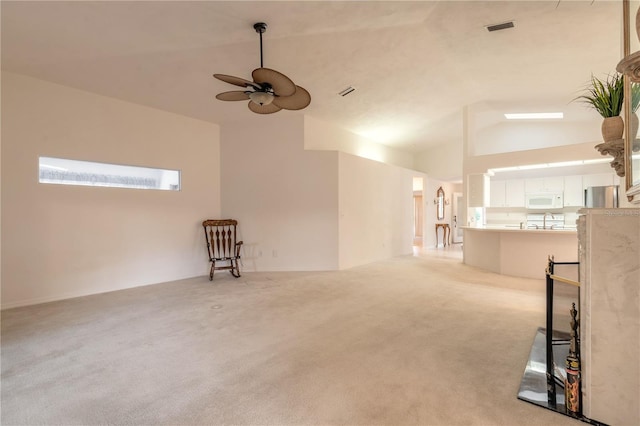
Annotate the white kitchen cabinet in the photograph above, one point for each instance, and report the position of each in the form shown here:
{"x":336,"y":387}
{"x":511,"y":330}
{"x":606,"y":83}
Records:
{"x":545,"y":184}
{"x":514,"y":193}
{"x":573,"y":191}
{"x":497,"y":193}
{"x":478,"y":190}
{"x":617,"y":180}
{"x":534,"y":185}
{"x":507,"y":193}
{"x":597,"y":179}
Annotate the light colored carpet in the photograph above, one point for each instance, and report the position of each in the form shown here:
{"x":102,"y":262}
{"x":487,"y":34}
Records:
{"x":412,"y":340}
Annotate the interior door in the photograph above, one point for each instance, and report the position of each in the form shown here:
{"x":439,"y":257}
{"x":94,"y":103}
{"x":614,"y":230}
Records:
{"x":417,"y":218}
{"x":456,"y":219}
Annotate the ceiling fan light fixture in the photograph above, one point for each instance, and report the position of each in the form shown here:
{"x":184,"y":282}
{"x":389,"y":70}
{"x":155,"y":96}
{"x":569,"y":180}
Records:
{"x":261,"y":98}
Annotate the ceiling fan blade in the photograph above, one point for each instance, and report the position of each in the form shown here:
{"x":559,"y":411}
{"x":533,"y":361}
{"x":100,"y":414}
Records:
{"x":263,"y":109}
{"x":280,"y":83}
{"x":235,"y":95}
{"x":299,"y":100}
{"x":236,"y":80}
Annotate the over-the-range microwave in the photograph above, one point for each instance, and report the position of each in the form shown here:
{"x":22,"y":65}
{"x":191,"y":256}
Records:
{"x":544,"y":200}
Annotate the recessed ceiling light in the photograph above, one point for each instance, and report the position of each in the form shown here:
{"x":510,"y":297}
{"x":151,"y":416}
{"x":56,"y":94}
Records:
{"x":533,"y":115}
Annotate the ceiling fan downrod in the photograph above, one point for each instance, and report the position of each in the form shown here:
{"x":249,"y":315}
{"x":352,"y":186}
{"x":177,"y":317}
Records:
{"x":260,"y":28}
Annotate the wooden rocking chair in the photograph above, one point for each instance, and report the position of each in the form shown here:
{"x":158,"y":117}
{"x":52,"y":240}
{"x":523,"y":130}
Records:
{"x":222,"y":245}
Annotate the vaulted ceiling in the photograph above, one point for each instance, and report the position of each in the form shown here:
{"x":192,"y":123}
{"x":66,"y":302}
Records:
{"x":414,"y":65}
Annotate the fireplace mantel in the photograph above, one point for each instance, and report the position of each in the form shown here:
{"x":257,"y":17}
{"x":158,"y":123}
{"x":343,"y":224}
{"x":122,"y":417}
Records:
{"x":609,"y":253}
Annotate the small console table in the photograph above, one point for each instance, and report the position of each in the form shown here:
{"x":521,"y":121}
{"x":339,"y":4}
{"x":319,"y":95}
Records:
{"x":446,"y":233}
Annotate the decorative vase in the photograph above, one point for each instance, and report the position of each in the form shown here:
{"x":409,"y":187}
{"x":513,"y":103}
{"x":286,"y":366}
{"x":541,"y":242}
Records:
{"x":612,"y":128}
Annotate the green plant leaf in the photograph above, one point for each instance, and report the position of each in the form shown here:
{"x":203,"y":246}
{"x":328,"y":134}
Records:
{"x":606,"y":96}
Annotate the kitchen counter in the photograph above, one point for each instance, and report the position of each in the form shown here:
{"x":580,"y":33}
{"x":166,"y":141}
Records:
{"x":516,"y":228}
{"x":509,"y":250}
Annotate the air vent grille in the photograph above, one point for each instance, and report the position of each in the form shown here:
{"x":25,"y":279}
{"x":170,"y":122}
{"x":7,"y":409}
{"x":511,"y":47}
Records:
{"x":498,"y":27}
{"x":346,"y":91}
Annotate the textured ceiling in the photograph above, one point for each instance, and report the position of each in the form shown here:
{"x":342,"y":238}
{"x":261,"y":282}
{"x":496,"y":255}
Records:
{"x":414,"y":65}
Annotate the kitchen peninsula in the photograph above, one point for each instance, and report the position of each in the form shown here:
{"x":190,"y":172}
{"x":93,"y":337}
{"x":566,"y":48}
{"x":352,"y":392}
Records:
{"x":518,"y":252}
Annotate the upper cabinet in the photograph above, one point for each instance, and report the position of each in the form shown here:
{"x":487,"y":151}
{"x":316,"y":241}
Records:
{"x":497,"y":193}
{"x":514,"y":193}
{"x":573,"y":191}
{"x":511,"y":192}
{"x":598,"y":179}
{"x":507,"y":193}
{"x":546,"y":184}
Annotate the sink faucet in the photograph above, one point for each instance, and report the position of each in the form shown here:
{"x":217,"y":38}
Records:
{"x":544,"y":220}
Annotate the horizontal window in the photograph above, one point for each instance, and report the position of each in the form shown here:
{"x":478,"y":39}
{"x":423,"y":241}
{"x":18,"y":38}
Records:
{"x":87,"y":173}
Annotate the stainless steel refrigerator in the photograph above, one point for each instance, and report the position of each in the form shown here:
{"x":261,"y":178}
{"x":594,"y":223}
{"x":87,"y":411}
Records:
{"x":601,"y":197}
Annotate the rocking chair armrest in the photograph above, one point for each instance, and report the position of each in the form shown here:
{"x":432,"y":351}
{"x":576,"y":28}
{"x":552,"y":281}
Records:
{"x":239,"y":243}
{"x":238,"y":247}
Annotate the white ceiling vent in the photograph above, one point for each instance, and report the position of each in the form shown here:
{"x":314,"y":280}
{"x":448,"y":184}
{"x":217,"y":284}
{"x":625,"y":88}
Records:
{"x":498,"y":27}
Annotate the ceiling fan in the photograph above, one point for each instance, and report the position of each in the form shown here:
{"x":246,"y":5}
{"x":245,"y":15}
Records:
{"x":269,"y":92}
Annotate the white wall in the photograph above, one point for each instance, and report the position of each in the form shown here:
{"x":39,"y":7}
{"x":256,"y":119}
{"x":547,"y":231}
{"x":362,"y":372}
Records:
{"x":442,"y":161}
{"x":583,"y":151}
{"x":285,"y":198}
{"x":321,"y":136}
{"x":311,"y":210}
{"x":493,"y":134}
{"x":523,"y":136}
{"x":376,"y":210}
{"x":63,"y":241}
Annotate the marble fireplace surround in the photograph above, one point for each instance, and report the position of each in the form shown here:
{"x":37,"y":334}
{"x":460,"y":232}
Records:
{"x":609,"y":254}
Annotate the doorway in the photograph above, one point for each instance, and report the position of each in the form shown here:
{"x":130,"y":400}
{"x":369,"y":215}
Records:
{"x":418,"y":212}
{"x":457,"y":218}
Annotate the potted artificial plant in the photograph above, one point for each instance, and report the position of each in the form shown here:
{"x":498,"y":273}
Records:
{"x":605,"y":96}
